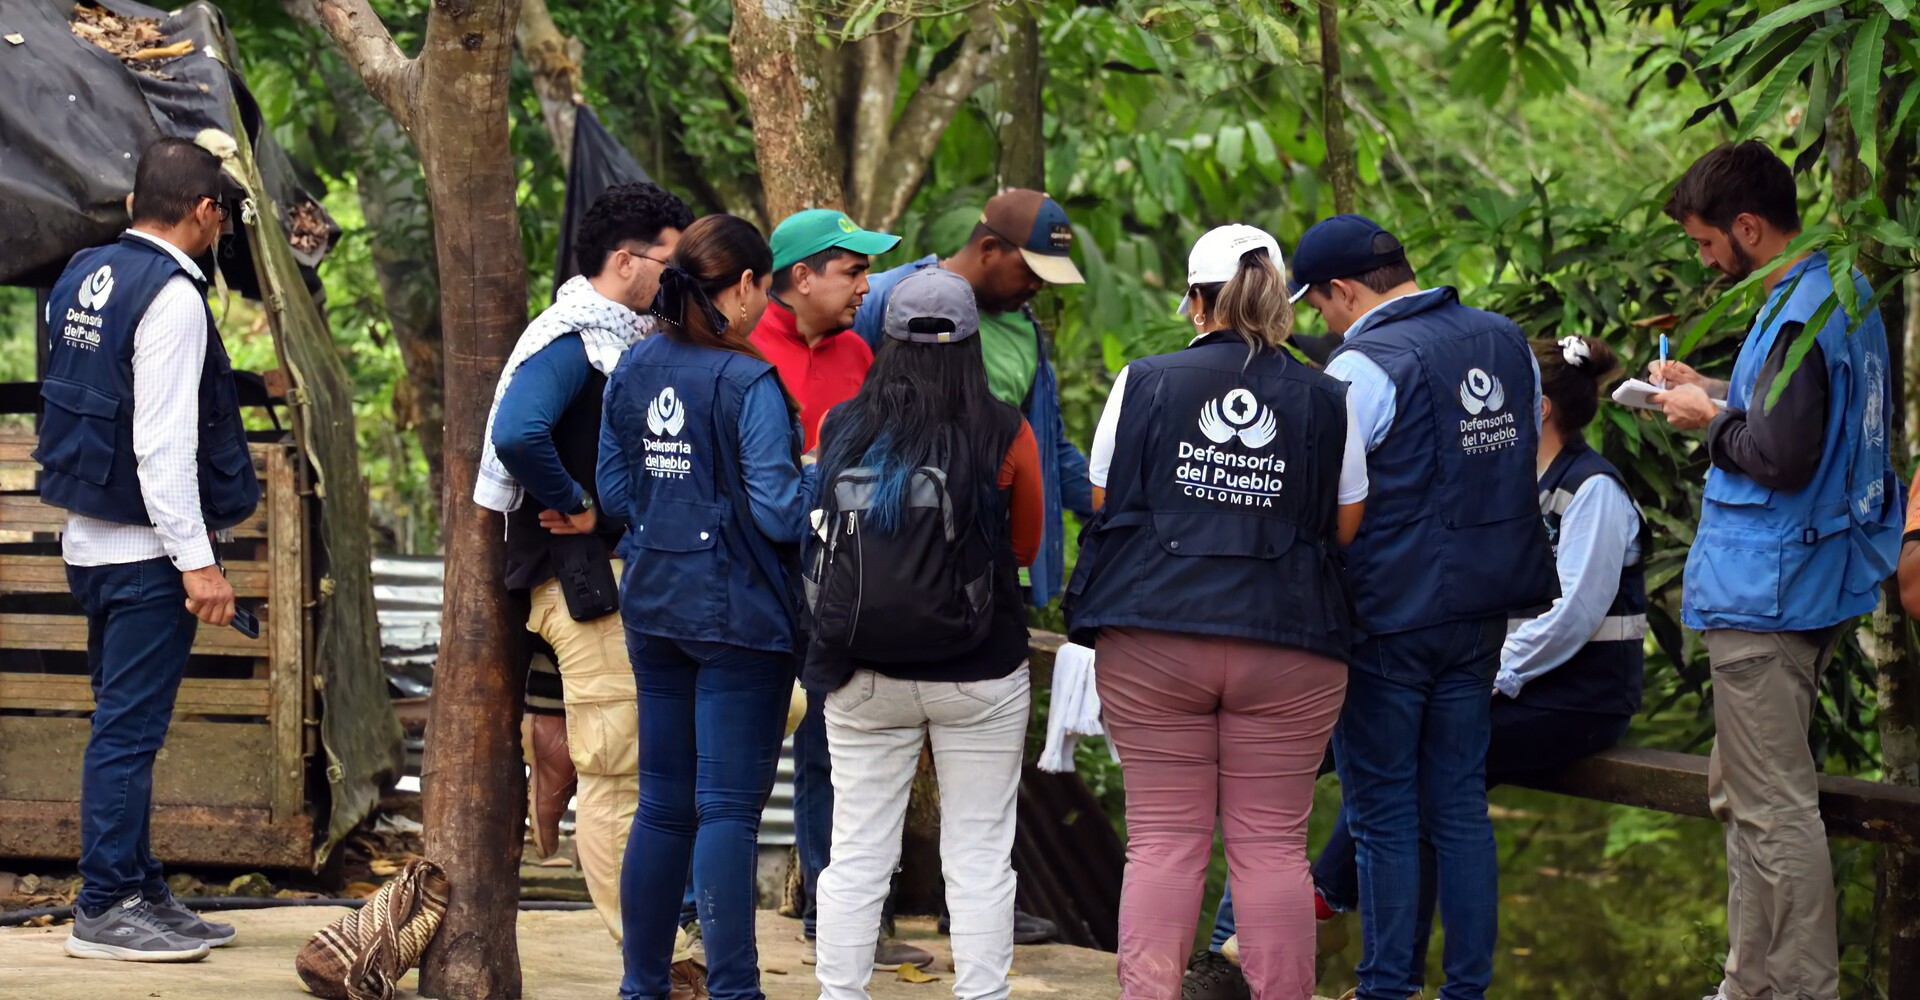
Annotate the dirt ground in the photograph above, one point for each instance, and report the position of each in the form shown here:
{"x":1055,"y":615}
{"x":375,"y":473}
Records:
{"x":563,"y":956}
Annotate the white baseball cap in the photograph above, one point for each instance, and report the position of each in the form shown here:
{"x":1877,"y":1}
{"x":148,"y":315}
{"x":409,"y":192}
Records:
{"x":1215,"y":257}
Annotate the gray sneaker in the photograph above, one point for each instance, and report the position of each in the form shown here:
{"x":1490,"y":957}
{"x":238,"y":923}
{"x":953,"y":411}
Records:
{"x":188,"y":924}
{"x":130,"y":931}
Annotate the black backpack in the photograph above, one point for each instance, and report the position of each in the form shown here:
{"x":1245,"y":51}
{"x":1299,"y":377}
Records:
{"x":920,"y":593}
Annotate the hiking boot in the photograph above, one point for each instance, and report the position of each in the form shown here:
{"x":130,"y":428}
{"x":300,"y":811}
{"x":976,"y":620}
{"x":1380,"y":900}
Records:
{"x":1027,"y":928}
{"x":551,"y":780}
{"x":186,"y":923}
{"x":1211,"y":977}
{"x":688,"y":979}
{"x":130,"y":931}
{"x":892,"y":953}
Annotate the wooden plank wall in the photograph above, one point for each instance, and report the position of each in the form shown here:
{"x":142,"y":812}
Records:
{"x":236,"y":754}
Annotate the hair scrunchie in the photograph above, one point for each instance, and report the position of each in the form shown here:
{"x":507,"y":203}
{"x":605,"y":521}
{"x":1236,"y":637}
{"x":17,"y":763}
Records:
{"x":679,"y":288}
{"x":1574,"y":351}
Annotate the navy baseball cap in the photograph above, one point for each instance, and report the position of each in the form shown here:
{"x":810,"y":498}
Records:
{"x":1342,"y":247}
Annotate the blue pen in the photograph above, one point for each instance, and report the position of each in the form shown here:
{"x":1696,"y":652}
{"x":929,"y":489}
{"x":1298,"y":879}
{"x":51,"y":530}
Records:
{"x":1663,"y":361}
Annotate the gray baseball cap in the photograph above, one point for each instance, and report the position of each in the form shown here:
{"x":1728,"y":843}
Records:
{"x":932,"y":306}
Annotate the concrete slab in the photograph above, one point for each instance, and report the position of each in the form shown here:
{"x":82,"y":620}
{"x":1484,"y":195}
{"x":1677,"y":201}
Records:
{"x":564,"y":956}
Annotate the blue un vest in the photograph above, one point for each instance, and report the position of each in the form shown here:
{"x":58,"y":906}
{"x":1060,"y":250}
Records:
{"x":1605,"y":675}
{"x":86,"y":429}
{"x":1452,"y":530}
{"x":1768,"y":561}
{"x":698,"y":568}
{"x":1221,"y":503}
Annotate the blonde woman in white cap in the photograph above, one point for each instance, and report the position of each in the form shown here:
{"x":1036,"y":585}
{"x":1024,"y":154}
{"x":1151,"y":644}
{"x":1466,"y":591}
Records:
{"x":1209,"y":583}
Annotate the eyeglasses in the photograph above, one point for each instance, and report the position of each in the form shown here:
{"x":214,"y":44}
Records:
{"x":219,"y":206}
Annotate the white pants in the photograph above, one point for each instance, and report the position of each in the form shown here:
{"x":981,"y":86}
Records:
{"x":875,"y":728}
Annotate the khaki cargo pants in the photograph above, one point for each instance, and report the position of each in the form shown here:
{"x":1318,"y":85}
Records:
{"x":603,"y":737}
{"x":1781,"y":935}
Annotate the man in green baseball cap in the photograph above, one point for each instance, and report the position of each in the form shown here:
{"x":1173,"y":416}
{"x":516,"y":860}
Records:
{"x":820,"y":265}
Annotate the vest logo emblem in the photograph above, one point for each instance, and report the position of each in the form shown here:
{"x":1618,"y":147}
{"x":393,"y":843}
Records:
{"x":666,"y":414}
{"x":1238,"y":414}
{"x":95,"y":290}
{"x":1480,"y":392}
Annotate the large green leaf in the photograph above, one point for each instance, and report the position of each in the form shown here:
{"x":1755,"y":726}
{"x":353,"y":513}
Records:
{"x":1787,"y":74}
{"x":1863,"y":87}
{"x":1229,"y":148}
{"x":1766,"y":24}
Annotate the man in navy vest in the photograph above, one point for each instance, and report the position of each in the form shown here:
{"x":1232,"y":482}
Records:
{"x":141,"y":443}
{"x":1448,"y":399}
{"x":1799,"y":526}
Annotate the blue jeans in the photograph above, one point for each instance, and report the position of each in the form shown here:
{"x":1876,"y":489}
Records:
{"x":1411,"y":748}
{"x":812,"y":804}
{"x":138,"y":636}
{"x":712,"y":717}
{"x":1525,"y":741}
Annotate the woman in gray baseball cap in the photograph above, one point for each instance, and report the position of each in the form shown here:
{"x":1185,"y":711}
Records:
{"x":930,"y":500}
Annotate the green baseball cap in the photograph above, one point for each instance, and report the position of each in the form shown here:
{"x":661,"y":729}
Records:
{"x":807,"y":233}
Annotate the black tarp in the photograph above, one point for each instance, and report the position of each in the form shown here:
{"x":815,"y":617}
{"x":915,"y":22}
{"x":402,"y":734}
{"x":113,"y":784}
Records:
{"x":599,"y":162}
{"x":74,"y":118}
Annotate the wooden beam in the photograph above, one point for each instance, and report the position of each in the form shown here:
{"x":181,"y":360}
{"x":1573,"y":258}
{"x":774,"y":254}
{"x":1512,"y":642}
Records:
{"x":25,"y":513}
{"x":48,"y":575}
{"x":184,"y":835}
{"x":286,"y":607}
{"x":74,"y":693}
{"x":69,"y":633}
{"x":1677,"y":783}
{"x":203,"y":763}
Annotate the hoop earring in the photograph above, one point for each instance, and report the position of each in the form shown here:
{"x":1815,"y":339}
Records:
{"x":1199,"y":320}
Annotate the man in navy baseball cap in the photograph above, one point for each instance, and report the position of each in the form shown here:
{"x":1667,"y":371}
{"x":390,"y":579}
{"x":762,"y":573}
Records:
{"x":1448,"y":400}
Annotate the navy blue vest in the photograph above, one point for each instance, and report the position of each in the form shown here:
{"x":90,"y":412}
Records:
{"x":1221,"y":503}
{"x":1452,"y":531}
{"x":1605,"y":675}
{"x":86,"y":429}
{"x":698,"y":568}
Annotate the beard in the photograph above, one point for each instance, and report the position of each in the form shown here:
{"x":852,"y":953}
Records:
{"x":1742,"y":263}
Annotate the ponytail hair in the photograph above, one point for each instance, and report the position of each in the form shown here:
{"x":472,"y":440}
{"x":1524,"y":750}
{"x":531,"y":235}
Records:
{"x":1253,"y":303}
{"x":709,"y":259}
{"x":1572,"y":372}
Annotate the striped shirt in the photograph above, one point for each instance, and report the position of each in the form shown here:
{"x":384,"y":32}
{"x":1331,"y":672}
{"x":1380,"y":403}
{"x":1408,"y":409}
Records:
{"x":169,"y":349}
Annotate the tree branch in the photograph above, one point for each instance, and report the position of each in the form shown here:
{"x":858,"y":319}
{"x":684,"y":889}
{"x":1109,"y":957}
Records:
{"x":879,"y":58}
{"x":932,"y":106}
{"x":554,"y":61}
{"x":369,"y":49}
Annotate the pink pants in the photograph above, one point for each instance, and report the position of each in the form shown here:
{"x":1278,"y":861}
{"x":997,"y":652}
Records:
{"x":1209,"y":726}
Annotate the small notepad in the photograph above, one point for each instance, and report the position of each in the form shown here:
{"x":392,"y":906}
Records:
{"x":1638,"y":394}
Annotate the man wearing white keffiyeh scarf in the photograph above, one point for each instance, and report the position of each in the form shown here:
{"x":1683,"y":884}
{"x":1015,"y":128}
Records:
{"x":538,"y":467}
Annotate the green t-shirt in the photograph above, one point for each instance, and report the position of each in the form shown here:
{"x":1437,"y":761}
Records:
{"x":1011,"y":352}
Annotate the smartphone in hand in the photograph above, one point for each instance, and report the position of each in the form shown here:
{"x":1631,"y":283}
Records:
{"x":245,"y":623}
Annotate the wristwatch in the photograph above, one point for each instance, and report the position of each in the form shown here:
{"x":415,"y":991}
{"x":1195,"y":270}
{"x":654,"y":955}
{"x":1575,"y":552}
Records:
{"x":586,"y":504}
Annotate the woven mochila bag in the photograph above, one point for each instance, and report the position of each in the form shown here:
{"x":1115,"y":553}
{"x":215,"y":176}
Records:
{"x":363,"y":954}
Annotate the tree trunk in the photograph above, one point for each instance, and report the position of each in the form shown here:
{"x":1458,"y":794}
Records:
{"x":1021,"y":117}
{"x":787,"y":78}
{"x":453,"y":101}
{"x":554,"y":61}
{"x":1341,"y":173}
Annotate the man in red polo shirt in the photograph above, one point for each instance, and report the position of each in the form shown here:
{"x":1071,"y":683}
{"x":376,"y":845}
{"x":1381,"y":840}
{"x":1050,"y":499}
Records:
{"x":820,"y":265}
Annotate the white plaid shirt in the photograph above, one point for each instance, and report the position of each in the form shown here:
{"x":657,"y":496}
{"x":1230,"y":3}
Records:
{"x":169,"y":349}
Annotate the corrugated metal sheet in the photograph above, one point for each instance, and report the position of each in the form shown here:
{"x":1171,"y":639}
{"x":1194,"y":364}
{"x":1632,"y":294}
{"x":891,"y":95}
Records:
{"x":407,"y":594}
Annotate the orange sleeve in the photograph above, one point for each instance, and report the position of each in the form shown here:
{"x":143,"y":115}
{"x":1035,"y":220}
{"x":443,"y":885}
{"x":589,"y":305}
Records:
{"x":1020,"y":470}
{"x":1913,"y":506}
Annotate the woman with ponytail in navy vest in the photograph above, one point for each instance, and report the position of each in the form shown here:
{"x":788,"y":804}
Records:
{"x":700,"y":455}
{"x":1570,"y":672}
{"x":1210,"y":581}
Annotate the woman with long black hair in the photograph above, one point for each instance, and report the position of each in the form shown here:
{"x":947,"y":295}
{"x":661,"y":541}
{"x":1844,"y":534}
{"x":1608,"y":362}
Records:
{"x":930,"y":500}
{"x":700,"y":454}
